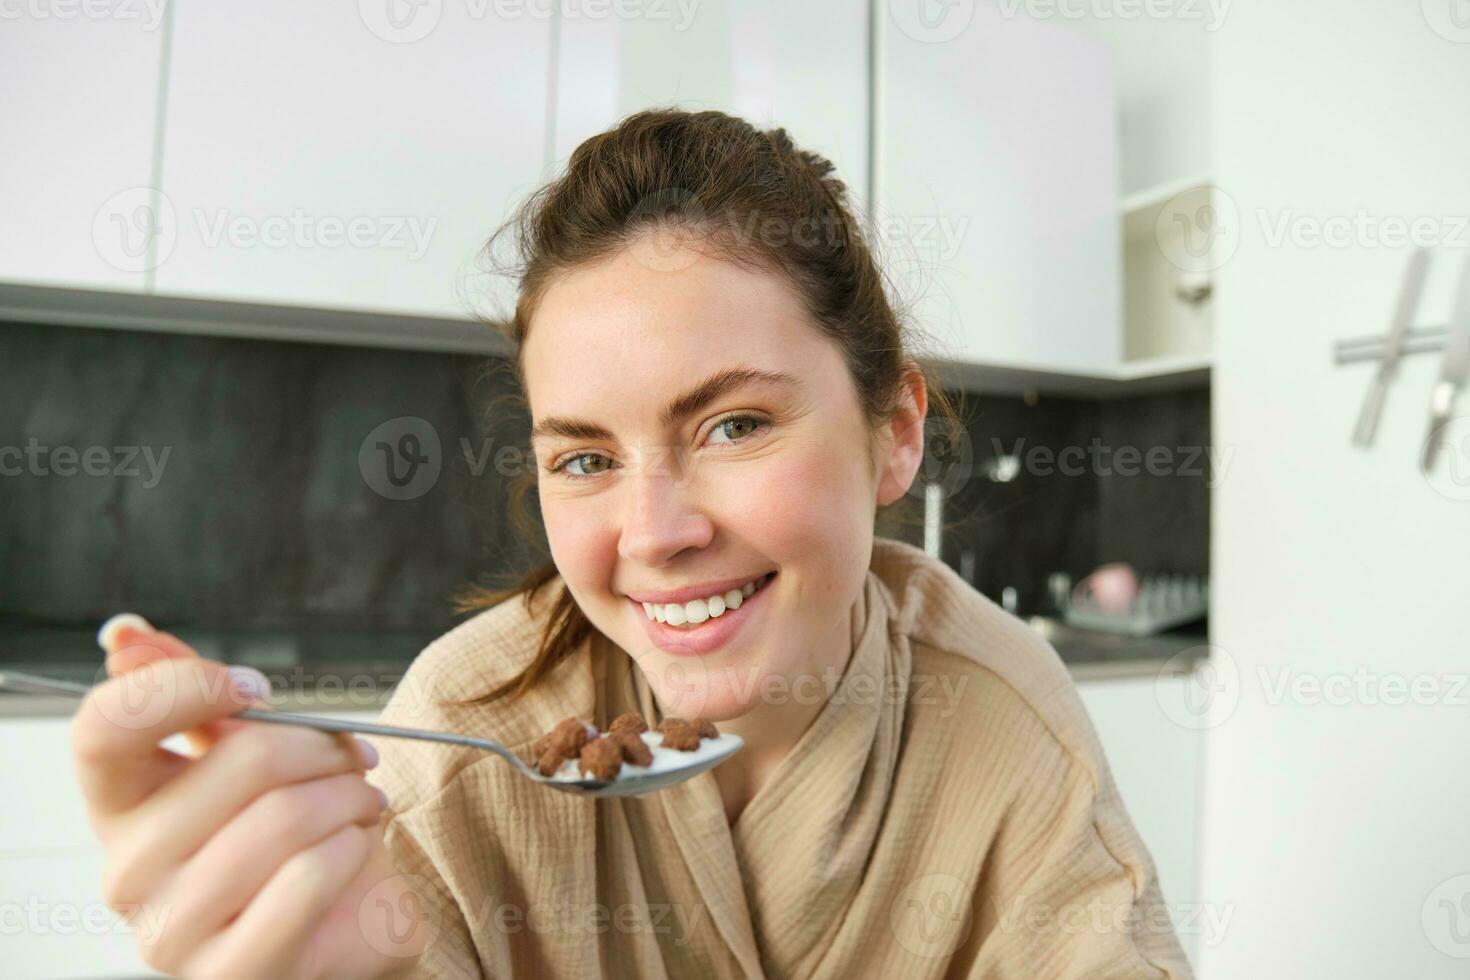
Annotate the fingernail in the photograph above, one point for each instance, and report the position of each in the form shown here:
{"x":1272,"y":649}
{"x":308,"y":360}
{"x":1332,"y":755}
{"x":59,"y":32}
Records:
{"x":369,"y":753}
{"x":382,"y":798}
{"x":249,"y":683}
{"x":107,"y":635}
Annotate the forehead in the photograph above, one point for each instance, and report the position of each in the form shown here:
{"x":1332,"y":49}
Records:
{"x":627,"y":332}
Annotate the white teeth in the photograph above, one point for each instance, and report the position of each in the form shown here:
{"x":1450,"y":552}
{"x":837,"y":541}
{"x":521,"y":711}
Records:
{"x":696,"y":611}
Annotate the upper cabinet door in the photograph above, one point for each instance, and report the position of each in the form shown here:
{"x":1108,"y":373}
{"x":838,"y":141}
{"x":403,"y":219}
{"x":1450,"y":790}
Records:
{"x":77,"y":124}
{"x":803,"y":66}
{"x":350,"y":154}
{"x":997,"y":184}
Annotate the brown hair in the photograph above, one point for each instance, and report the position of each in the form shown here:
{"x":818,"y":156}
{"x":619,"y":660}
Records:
{"x":754,"y":198}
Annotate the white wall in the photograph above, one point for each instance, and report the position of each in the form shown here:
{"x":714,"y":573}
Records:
{"x":1162,"y":82}
{"x":1335,"y":832}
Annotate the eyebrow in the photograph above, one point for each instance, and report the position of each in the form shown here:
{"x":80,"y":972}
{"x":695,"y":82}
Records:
{"x":711,"y":388}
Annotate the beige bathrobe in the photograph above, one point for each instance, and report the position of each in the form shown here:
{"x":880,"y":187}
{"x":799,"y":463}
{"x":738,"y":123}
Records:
{"x":948,"y":814}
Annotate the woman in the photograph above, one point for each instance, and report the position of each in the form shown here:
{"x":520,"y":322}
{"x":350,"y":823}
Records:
{"x":721,"y":400}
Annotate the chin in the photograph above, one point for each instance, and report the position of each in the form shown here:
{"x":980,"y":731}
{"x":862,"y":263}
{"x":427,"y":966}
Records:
{"x":689,"y":688}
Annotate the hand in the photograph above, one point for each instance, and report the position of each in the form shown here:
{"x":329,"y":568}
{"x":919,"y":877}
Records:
{"x":256,"y":856}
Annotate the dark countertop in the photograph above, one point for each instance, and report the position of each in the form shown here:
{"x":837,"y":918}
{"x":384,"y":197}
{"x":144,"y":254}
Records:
{"x":1095,"y":655}
{"x":309,"y":671}
{"x":342,"y":671}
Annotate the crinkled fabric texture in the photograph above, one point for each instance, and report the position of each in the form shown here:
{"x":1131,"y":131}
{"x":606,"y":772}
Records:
{"x":948,"y":814}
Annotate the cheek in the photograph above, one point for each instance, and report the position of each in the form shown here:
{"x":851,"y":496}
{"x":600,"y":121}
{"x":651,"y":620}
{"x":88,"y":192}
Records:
{"x":582,"y":545}
{"x":814,"y":511}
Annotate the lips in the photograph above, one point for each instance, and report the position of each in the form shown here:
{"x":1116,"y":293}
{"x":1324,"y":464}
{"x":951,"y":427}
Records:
{"x":707,"y":637}
{"x":701,"y":591}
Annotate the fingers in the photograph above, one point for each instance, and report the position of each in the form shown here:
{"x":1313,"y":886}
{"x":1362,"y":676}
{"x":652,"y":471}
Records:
{"x":169,"y":826}
{"x":220,"y":880}
{"x":273,"y":932}
{"x":235,"y":857}
{"x":116,"y":731}
{"x":129,"y":641}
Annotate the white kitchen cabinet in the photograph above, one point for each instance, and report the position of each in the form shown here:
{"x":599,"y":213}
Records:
{"x":350,"y":155}
{"x":801,"y":66}
{"x":56,"y":923}
{"x":38,"y":771}
{"x":1153,"y":750}
{"x":53,"y":921}
{"x":997,"y":184}
{"x":77,"y":122}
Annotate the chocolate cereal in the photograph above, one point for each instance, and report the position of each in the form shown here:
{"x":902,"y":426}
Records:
{"x":602,"y":758}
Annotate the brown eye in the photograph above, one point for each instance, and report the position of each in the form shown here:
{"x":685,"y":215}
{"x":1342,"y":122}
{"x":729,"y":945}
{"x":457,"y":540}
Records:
{"x":735,"y":428}
{"x":587,"y":464}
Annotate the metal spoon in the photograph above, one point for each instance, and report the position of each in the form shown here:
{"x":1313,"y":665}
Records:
{"x":670,"y":767}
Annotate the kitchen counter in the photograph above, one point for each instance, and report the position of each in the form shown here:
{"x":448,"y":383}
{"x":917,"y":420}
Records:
{"x":321,"y":672}
{"x":1095,"y":655}
{"x":329,"y":672}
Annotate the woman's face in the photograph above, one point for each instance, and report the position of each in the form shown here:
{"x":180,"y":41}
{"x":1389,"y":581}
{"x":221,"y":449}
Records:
{"x":695,"y":435}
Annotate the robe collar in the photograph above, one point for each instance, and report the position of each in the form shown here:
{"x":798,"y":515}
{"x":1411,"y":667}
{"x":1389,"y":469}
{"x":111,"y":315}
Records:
{"x":818,"y":814}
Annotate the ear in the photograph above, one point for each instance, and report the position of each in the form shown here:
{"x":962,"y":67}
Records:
{"x":902,"y":445}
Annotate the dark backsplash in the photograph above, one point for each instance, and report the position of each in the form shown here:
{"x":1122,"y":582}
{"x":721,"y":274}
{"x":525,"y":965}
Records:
{"x":1099,"y":480}
{"x":274,"y":507}
{"x":263,"y":517}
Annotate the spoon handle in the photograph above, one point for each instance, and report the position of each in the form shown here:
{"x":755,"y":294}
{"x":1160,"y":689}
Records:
{"x":14,"y":680}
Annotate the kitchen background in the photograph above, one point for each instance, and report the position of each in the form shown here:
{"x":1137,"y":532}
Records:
{"x":251,"y":389}
{"x":259,"y":503}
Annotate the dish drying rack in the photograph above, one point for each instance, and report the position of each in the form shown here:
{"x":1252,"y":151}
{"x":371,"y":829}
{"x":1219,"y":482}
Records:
{"x":1163,"y":601}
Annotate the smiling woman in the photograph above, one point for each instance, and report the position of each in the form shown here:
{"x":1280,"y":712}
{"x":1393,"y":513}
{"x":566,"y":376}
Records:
{"x":722,"y":397}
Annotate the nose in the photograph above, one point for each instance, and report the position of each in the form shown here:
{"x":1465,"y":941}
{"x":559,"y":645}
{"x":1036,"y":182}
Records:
{"x":659,"y":521}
